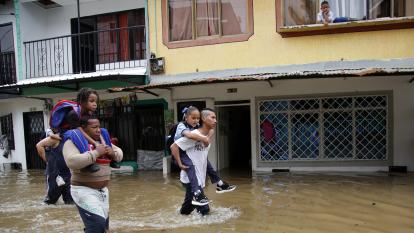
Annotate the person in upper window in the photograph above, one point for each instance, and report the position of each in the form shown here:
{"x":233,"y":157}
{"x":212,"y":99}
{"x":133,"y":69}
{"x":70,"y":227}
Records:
{"x":325,"y":15}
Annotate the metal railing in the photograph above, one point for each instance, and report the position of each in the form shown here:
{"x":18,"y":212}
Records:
{"x":86,"y":52}
{"x":7,"y":68}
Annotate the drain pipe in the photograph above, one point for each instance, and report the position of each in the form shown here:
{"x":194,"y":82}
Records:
{"x":147,"y":47}
{"x":18,"y":40}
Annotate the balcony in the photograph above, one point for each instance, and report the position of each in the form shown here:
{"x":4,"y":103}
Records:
{"x":87,"y":52}
{"x":7,"y":68}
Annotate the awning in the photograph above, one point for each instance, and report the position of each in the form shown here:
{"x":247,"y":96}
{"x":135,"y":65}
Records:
{"x":315,"y":70}
{"x":119,"y":74}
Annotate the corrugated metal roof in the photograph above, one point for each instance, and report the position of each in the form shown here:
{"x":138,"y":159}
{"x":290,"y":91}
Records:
{"x":314,"y":70}
{"x":69,"y":78}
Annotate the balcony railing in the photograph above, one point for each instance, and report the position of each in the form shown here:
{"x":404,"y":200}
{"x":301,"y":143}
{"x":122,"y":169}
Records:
{"x":7,"y":68}
{"x":94,"y":51}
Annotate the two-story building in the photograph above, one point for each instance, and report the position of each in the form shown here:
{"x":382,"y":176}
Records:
{"x":291,"y":93}
{"x":51,"y":49}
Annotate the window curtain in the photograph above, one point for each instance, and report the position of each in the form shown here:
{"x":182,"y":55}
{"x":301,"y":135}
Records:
{"x":300,"y":12}
{"x":180,"y":19}
{"x":207,"y":19}
{"x":355,"y":9}
{"x":409,"y":8}
{"x":123,"y":37}
{"x":379,"y":8}
{"x":107,"y":40}
{"x":233,"y":17}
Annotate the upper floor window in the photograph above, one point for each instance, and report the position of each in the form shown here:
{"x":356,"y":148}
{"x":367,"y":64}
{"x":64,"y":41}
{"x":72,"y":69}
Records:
{"x":200,"y":22}
{"x":109,"y":38}
{"x":7,"y":63}
{"x":370,"y":15}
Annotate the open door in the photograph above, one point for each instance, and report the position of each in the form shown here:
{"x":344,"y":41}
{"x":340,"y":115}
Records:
{"x":234,"y":137}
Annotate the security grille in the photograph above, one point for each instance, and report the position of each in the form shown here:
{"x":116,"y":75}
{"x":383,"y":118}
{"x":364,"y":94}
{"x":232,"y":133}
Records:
{"x":6,"y":128}
{"x":326,"y":128}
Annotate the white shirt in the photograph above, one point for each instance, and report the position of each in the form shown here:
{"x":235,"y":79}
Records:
{"x":198,"y":153}
{"x":330,"y":16}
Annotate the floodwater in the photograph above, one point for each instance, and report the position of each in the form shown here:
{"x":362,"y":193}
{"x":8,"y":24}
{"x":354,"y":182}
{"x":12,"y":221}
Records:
{"x":263,"y":202}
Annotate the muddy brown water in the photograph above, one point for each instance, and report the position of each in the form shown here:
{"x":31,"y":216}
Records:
{"x":263,"y":202}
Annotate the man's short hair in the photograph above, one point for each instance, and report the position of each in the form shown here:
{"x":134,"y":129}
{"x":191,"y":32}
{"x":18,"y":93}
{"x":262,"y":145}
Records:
{"x":324,"y":2}
{"x":84,"y":120}
{"x":206,"y":112}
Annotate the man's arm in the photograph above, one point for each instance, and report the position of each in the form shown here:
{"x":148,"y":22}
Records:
{"x":46,"y":142}
{"x":175,"y":151}
{"x":76,"y":160}
{"x":197,"y":137}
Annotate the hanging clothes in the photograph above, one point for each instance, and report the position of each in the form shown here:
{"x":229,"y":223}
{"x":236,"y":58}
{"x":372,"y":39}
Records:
{"x":268,"y":130}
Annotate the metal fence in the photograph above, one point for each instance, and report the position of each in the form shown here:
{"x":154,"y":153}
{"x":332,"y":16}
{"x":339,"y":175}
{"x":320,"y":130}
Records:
{"x":86,"y":52}
{"x":326,"y":128}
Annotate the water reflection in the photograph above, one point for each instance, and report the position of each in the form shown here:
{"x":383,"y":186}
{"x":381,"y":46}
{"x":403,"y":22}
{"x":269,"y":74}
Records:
{"x":263,"y":202}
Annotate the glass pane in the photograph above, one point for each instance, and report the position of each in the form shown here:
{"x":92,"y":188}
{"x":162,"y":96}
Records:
{"x":300,"y":12}
{"x":207,"y":18}
{"x":6,"y":39}
{"x":304,"y":104}
{"x":379,"y":8}
{"x":107,"y":39}
{"x":136,"y":35}
{"x":180,"y":20}
{"x":274,"y":137}
{"x":371,"y":134}
{"x":348,"y":9}
{"x":337,"y":103}
{"x":371,"y":102}
{"x":403,"y":8}
{"x":234,"y":17}
{"x":337,"y":135}
{"x":269,"y":106}
{"x":305,"y":136}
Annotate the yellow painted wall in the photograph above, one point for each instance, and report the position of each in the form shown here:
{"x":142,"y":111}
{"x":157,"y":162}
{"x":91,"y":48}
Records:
{"x":267,"y":48}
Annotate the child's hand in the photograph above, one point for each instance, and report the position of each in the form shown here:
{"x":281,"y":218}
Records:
{"x":206,"y":141}
{"x":101,"y":150}
{"x":56,"y":137}
{"x":109,"y":152}
{"x":182,"y":166}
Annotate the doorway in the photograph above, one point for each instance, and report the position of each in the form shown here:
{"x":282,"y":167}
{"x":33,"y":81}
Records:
{"x":33,"y":130}
{"x":234,"y":137}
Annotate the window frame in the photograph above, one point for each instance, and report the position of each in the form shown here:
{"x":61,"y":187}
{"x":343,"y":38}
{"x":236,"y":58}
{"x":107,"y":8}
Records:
{"x":205,"y":40}
{"x":346,"y":27}
{"x":6,"y":127}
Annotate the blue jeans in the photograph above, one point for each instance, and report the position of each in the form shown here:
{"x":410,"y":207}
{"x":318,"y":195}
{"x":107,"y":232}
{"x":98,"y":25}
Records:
{"x":185,"y":160}
{"x":187,"y":207}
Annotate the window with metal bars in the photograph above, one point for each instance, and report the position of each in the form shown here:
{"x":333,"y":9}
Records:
{"x":326,"y":128}
{"x":6,"y":125}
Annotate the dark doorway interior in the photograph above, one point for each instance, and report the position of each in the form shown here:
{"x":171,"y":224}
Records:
{"x":135,"y":127}
{"x":33,"y":130}
{"x":235,"y":137}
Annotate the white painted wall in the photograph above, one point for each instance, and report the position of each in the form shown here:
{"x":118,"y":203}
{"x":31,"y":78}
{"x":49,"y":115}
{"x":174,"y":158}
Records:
{"x":403,"y":106}
{"x":39,"y":23}
{"x":16,"y":107}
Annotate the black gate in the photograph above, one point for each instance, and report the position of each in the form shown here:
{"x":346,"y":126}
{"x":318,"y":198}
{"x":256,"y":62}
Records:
{"x":33,"y":130}
{"x":136,"y":127}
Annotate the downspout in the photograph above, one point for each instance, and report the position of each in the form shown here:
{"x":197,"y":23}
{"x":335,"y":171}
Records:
{"x":18,"y":40}
{"x":147,"y":47}
{"x":79,"y":40}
